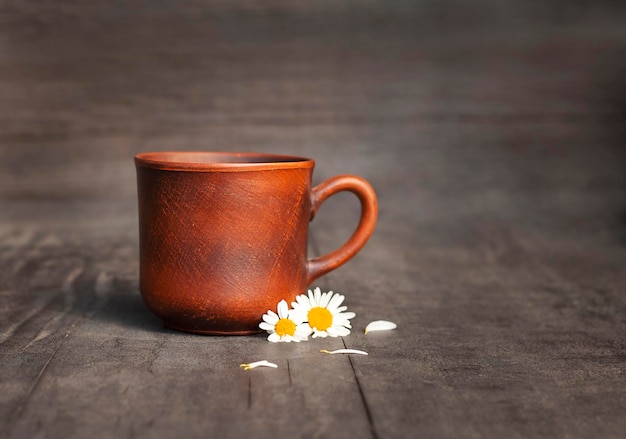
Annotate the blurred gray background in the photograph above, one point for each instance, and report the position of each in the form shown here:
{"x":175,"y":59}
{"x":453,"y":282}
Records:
{"x":521,"y":99}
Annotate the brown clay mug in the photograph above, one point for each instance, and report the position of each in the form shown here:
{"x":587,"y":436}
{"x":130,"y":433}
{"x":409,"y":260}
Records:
{"x":223,"y":236}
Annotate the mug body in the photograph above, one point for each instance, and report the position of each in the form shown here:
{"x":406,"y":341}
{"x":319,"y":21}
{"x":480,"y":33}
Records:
{"x":223,"y":237}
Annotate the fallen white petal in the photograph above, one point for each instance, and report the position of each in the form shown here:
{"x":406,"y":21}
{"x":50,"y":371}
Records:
{"x":380,"y":325}
{"x":262,"y":363}
{"x":344,"y":351}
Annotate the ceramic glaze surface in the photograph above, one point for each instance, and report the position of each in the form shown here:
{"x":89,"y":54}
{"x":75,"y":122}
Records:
{"x":223,"y":237}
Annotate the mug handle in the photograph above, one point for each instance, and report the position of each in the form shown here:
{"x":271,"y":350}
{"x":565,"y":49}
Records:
{"x":321,"y":265}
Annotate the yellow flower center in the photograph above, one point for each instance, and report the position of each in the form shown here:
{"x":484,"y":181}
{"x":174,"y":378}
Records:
{"x":320,"y":318}
{"x":285,"y":327}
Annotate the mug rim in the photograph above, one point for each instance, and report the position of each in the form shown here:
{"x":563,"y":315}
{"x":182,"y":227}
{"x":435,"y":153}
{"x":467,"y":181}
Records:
{"x":216,"y":161}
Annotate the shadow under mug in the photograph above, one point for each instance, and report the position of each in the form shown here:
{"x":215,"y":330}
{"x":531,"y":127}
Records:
{"x":223,"y":236}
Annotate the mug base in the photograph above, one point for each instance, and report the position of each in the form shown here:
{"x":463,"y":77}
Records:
{"x":211,"y":331}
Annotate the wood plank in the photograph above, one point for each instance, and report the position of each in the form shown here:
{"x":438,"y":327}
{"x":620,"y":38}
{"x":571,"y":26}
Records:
{"x":510,"y":296}
{"x":93,"y":359}
{"x":123,"y":75}
{"x":482,"y":290}
{"x":522,"y":342}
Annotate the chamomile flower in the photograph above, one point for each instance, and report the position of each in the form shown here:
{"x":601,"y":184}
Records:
{"x":323,"y":313}
{"x":285,"y":326}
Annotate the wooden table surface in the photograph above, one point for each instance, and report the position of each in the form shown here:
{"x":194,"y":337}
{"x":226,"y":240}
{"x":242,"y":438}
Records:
{"x":494,"y":136}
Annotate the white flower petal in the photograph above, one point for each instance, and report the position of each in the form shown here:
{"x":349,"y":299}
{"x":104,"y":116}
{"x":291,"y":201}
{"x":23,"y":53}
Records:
{"x":342,"y":324}
{"x":302,"y":302}
{"x":347,"y":315}
{"x":334,"y":303}
{"x":271,"y":317}
{"x":345,"y":324}
{"x":298,"y":316}
{"x":344,"y":351}
{"x":266,"y":326}
{"x":341,"y":319}
{"x":262,"y":363}
{"x":338,"y":331}
{"x":318,"y":296}
{"x":283,"y":309}
{"x":273,"y":337}
{"x":380,"y":325}
{"x":325,"y":299}
{"x":303,"y":330}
